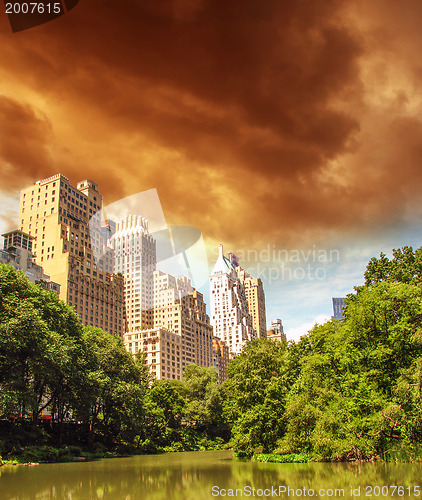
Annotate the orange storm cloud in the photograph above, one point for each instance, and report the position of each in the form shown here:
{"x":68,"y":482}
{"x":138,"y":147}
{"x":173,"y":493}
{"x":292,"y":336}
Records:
{"x":279,"y":121}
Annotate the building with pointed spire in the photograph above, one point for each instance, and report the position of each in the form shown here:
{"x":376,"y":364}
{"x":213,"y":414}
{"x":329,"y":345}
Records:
{"x":229,"y":313}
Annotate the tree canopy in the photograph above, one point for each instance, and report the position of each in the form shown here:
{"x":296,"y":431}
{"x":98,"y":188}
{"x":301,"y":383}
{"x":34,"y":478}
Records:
{"x":349,"y":389}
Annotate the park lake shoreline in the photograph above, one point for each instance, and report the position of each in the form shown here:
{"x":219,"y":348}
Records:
{"x":63,"y":455}
{"x":177,"y":476}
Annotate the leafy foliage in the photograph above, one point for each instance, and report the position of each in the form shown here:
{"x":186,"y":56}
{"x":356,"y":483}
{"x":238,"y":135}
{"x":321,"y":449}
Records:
{"x":348,"y":390}
{"x":87,"y":379}
{"x":356,"y":395}
{"x":255,"y":396}
{"x":48,"y":360}
{"x":204,"y":401}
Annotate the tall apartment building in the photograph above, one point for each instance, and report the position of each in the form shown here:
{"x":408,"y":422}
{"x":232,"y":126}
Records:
{"x":201,"y":330}
{"x":17,"y":251}
{"x":255,"y":298}
{"x":135,"y":257}
{"x":179,"y":308}
{"x":165,"y":316}
{"x":230,"y":315}
{"x":65,"y":222}
{"x":181,"y":334}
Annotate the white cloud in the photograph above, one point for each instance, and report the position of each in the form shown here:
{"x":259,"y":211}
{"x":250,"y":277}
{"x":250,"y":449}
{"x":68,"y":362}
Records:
{"x":303,"y":329}
{"x":9,"y":212}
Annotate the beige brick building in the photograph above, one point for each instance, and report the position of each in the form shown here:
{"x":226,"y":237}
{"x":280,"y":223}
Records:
{"x":230,"y":314}
{"x":277,"y":331}
{"x":221,"y":359}
{"x":181,"y":309}
{"x":65,"y":222}
{"x":181,"y":334}
{"x":162,"y":348}
{"x":255,"y":297}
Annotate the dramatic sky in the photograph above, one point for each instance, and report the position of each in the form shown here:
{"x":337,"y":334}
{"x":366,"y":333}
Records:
{"x":289,"y":125}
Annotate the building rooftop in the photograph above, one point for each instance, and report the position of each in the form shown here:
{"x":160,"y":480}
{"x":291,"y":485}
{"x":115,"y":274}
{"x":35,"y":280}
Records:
{"x":15,"y":231}
{"x":223,"y":264}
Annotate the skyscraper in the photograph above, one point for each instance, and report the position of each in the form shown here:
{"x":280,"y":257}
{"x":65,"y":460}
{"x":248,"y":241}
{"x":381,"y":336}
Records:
{"x":65,"y":222}
{"x":162,"y":349}
{"x":221,"y":359}
{"x":135,"y":258}
{"x":255,"y":298}
{"x":229,"y":315}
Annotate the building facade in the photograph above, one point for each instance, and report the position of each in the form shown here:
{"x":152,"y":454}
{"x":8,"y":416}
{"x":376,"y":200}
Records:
{"x":135,"y":258}
{"x":180,"y":308}
{"x":163,"y":351}
{"x":255,"y":298}
{"x":221,"y":359}
{"x":65,"y":222}
{"x":181,"y":333}
{"x":229,"y":314}
{"x":277,"y":331}
{"x":338,"y":307}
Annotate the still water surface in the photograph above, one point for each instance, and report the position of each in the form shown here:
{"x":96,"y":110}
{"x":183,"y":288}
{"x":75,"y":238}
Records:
{"x":206,"y":475}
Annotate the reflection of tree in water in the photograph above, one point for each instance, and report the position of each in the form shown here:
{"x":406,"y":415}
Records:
{"x":188,"y":476}
{"x":336,"y":475}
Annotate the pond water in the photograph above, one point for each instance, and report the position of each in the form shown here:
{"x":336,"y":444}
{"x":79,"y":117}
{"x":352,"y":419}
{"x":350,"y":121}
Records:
{"x":207,"y":475}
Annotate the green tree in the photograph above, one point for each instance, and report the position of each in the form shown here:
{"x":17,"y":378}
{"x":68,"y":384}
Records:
{"x":409,"y":396}
{"x":345,"y":402}
{"x":164,"y":412}
{"x":255,"y":396}
{"x":203,"y":399}
{"x":37,"y":334}
{"x":112,"y":387}
{"x":48,"y":360}
{"x":404,"y":267}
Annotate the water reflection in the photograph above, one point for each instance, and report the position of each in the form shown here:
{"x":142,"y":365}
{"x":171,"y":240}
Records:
{"x":185,"y":476}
